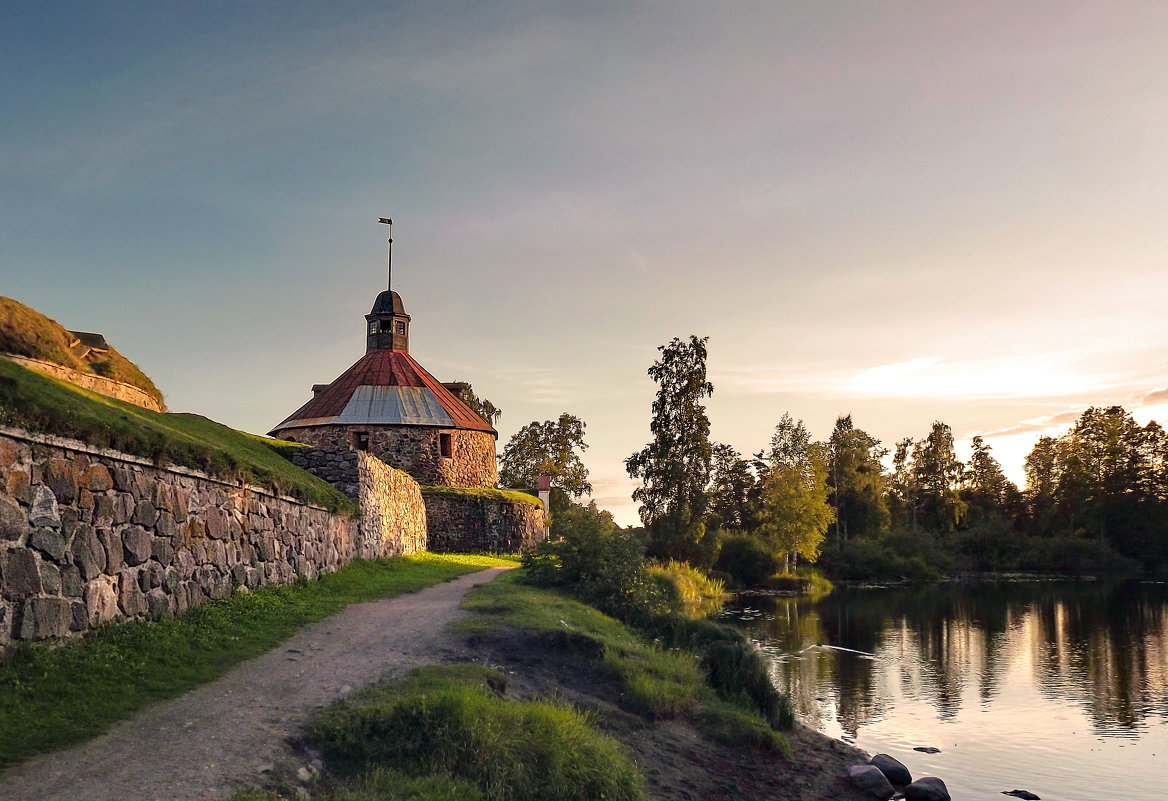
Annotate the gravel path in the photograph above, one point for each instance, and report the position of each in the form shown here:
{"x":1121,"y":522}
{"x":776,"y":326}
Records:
{"x":219,"y":738}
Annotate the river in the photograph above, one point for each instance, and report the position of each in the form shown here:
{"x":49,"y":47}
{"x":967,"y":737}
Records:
{"x":1056,"y":687}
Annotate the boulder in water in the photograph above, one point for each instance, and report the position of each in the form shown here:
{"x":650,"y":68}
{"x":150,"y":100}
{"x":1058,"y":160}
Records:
{"x":892,"y":768}
{"x":1025,"y":795}
{"x":869,"y":779}
{"x":927,"y":749}
{"x":928,"y":788}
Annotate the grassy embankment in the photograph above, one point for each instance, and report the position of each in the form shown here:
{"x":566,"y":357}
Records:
{"x":38,"y":403}
{"x":27,"y":332}
{"x":483,"y":494}
{"x":454,"y":732}
{"x":53,"y":697}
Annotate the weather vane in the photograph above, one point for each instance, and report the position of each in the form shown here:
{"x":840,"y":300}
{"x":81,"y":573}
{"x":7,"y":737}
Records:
{"x":389,"y":252}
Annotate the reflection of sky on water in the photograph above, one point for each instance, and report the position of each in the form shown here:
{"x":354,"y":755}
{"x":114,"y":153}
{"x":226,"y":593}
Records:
{"x":1059,"y":688}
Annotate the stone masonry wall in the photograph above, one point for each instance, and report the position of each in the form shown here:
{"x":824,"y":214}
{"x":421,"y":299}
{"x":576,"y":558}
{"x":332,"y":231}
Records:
{"x":99,"y":384}
{"x":415,"y":449}
{"x":393,"y":516}
{"x":467,"y":523}
{"x":89,"y":535}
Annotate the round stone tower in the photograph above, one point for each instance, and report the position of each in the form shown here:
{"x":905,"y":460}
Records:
{"x":389,"y":405}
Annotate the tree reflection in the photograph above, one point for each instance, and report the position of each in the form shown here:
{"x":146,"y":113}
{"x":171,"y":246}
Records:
{"x":1100,"y":646}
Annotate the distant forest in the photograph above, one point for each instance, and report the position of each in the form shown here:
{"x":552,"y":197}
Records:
{"x":1095,"y":501}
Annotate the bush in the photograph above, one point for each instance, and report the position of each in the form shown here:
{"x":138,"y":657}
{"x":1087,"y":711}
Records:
{"x":911,"y":556}
{"x":601,"y":565}
{"x":1077,"y":557}
{"x":699,"y":595}
{"x":749,"y":560}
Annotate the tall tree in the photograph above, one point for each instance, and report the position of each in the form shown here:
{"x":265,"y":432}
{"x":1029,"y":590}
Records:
{"x":675,"y":467}
{"x":485,"y":409}
{"x":795,"y":508}
{"x":903,"y":490}
{"x":855,"y":476}
{"x":938,"y":471}
{"x":734,"y":491}
{"x":985,"y":489}
{"x":551,"y":448}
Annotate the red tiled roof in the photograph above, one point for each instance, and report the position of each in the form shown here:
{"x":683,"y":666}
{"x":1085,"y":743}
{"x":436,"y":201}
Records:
{"x":385,"y":368}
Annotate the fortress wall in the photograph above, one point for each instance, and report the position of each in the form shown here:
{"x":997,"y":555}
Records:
{"x":89,"y":535}
{"x":464,"y":523}
{"x":99,"y":384}
{"x":414,"y":449}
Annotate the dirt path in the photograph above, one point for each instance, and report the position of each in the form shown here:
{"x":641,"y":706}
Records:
{"x":220,"y":737}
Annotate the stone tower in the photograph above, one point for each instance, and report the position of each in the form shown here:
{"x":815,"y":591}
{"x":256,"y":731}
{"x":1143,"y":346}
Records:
{"x":389,"y":405}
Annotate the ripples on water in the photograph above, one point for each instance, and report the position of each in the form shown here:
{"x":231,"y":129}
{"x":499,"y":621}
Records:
{"x":1060,"y":688}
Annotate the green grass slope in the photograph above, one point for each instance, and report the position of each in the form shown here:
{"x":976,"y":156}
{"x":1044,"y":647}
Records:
{"x":26,"y":332}
{"x":38,"y":403}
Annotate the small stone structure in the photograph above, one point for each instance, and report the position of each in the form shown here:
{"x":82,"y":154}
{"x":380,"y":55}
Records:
{"x":89,"y":535}
{"x":99,"y":384}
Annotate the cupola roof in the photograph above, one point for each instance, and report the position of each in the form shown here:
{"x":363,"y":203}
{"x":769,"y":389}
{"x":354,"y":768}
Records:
{"x":386,"y":387}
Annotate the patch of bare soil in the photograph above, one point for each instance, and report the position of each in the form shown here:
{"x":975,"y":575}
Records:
{"x":680,"y":762}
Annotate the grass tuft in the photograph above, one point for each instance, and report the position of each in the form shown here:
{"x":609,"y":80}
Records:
{"x":51,"y":697}
{"x":484,"y":494}
{"x":452,"y":721}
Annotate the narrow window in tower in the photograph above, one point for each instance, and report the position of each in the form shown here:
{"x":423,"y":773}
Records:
{"x":446,"y":446}
{"x":385,"y":326}
{"x":360,"y":440}
{"x":401,"y":328}
{"x":373,"y":327}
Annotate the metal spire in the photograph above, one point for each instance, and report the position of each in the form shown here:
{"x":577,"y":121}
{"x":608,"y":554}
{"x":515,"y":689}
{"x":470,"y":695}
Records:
{"x":389,"y":252}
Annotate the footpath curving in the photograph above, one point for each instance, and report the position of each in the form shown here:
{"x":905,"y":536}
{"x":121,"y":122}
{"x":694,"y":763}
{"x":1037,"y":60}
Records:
{"x":220,"y":738}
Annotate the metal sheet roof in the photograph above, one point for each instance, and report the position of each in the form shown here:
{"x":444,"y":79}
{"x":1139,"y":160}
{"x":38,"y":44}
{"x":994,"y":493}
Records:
{"x":359,"y":396}
{"x":411,"y":406}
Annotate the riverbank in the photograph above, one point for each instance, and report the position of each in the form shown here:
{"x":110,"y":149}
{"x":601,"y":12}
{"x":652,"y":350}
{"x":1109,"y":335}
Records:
{"x":684,"y":740}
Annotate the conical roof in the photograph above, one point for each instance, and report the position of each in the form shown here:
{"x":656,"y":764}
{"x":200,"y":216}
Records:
{"x":386,"y":387}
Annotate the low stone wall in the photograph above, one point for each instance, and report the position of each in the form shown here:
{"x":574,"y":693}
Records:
{"x":99,"y":384}
{"x":393,"y":516}
{"x":467,"y":522}
{"x":89,"y":535}
{"x":335,"y":463}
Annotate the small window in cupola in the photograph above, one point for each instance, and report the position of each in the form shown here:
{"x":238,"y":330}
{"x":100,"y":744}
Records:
{"x":400,"y":328}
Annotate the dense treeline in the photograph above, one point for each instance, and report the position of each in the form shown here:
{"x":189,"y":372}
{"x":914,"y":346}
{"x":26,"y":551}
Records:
{"x":1095,"y":501}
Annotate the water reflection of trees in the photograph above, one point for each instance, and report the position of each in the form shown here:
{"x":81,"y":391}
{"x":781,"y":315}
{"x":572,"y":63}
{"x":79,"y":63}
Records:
{"x":1100,"y":646}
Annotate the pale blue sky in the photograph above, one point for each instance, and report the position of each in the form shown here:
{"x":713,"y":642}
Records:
{"x":902,"y":210}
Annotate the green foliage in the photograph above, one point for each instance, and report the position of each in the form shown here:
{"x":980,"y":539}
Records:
{"x":748,"y":559}
{"x":795,"y":512}
{"x":547,"y":449}
{"x":38,"y":403}
{"x":675,"y":467}
{"x":484,"y":494}
{"x":602,"y":565}
{"x":452,"y":721}
{"x":55,"y":696}
{"x":734,"y":491}
{"x":480,"y":406}
{"x":27,"y":332}
{"x":699,"y":595}
{"x":856,"y":480}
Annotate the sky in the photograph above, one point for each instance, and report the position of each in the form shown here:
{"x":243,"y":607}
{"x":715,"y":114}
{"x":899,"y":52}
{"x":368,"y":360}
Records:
{"x":905,"y":211}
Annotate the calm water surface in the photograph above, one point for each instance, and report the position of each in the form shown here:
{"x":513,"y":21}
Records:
{"x":1060,"y":688}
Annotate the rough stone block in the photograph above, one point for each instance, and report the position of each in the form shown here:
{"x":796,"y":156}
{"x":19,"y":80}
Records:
{"x":101,"y":601}
{"x":111,"y":543}
{"x":145,"y":514}
{"x":13,"y":523}
{"x":71,"y":583}
{"x":157,"y":604}
{"x":166,"y":526}
{"x":88,"y":553}
{"x":44,"y":508}
{"x":97,"y":478}
{"x":50,"y":579}
{"x":123,"y":507}
{"x":85,"y":500}
{"x":61,"y":477}
{"x":136,"y":545}
{"x":124,"y":479}
{"x":103,"y":510}
{"x":19,"y":486}
{"x":49,"y":541}
{"x":130,"y":596}
{"x":80,"y":620}
{"x":45,"y":618}
{"x":8,"y":453}
{"x":22,"y":575}
{"x":162,"y":550}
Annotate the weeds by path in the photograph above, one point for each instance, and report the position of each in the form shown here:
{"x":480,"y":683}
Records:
{"x":53,"y":697}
